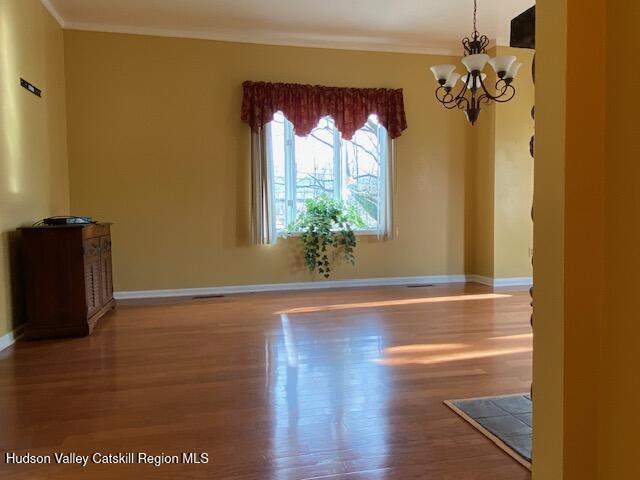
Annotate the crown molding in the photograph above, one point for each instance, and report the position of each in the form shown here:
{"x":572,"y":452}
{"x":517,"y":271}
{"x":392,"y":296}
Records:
{"x":54,"y":12}
{"x":258,"y":38}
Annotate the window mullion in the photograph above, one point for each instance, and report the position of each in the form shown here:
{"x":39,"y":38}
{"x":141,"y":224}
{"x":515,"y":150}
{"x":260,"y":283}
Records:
{"x":337,"y":164}
{"x":385,"y":192}
{"x":290,"y":172}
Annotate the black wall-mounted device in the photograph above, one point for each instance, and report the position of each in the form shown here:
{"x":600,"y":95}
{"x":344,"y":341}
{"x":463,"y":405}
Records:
{"x":32,"y":88}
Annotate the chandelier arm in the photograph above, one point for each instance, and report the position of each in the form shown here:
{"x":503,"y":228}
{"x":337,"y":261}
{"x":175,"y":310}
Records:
{"x":486,"y":91}
{"x":462,"y":101}
{"x":453,"y":104}
{"x":504,"y":87}
{"x":457,"y":102}
{"x":507,"y":94}
{"x":442,"y":94}
{"x":484,"y":99}
{"x":448,"y":98}
{"x":487,"y":98}
{"x":499,"y":98}
{"x":445,"y":98}
{"x":462,"y":91}
{"x":451,"y":107}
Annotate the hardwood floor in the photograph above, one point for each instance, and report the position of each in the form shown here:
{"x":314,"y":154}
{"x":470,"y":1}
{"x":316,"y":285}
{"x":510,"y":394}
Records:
{"x":336,"y":384}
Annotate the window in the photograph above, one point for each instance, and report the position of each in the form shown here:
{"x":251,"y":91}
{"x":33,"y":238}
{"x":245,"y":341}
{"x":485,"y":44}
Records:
{"x":323,"y":163}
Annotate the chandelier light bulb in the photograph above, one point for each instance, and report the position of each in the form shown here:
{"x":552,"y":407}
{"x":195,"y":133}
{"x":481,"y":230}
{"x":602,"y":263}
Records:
{"x":513,"y":70}
{"x":502,"y":64}
{"x":442,"y":72}
{"x":475,"y":83}
{"x":452,"y":80}
{"x":475,"y":62}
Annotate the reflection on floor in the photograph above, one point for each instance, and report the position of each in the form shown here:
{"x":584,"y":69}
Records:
{"x":336,"y":384}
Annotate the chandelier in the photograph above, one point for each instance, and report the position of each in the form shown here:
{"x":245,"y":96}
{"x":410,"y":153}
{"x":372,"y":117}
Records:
{"x":473,"y":92}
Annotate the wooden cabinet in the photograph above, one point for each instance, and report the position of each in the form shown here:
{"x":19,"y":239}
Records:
{"x":67,"y":278}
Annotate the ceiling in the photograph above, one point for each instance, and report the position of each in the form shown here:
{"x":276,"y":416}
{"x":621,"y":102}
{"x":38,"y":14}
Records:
{"x":425,"y":26}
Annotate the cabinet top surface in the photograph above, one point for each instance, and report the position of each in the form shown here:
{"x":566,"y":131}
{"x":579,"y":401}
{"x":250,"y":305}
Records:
{"x":72,"y":225}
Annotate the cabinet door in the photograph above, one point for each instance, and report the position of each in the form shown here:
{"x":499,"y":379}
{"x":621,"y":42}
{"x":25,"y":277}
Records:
{"x":92,"y":275}
{"x":106,"y":270}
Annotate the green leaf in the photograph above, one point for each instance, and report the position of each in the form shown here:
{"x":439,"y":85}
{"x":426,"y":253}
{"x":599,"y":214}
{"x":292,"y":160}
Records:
{"x":326,"y":223}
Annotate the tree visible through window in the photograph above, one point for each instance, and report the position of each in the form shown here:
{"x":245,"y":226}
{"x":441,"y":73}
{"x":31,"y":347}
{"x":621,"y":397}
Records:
{"x":323,"y":163}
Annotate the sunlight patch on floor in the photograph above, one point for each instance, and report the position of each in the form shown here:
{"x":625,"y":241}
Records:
{"x":450,"y":357}
{"x":391,"y":303}
{"x":522,"y":336}
{"x":429,"y":354}
{"x":424,"y":348}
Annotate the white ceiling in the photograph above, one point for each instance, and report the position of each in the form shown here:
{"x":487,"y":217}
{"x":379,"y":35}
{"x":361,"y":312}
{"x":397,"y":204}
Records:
{"x":430,"y":26}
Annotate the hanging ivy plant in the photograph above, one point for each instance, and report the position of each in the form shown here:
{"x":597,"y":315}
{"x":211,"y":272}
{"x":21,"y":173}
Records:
{"x":326,"y":231}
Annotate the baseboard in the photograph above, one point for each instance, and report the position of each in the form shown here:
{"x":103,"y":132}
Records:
{"x":501,"y":282}
{"x":513,"y":282}
{"x":10,"y":338}
{"x":278,"y":287}
{"x":480,"y":279}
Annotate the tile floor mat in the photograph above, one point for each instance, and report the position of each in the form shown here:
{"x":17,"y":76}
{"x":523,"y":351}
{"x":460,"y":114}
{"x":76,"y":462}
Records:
{"x":505,"y":420}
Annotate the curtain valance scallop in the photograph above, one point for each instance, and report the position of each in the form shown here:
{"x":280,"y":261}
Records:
{"x":305,"y":105}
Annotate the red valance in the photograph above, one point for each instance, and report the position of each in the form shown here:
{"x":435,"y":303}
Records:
{"x":305,"y":105}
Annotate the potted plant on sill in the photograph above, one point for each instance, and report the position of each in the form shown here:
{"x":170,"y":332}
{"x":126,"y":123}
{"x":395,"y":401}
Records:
{"x":326,"y":228}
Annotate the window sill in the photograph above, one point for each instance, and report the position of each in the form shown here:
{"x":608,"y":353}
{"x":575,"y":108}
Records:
{"x":359,"y":233}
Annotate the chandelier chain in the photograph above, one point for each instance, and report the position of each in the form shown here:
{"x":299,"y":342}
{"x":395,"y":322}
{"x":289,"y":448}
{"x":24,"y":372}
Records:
{"x":475,"y":14}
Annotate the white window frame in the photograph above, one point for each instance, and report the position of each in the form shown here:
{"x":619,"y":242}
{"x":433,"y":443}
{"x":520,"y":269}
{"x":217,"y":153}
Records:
{"x":339,"y":173}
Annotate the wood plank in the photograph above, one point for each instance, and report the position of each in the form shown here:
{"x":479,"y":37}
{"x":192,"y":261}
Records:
{"x":337,"y":384}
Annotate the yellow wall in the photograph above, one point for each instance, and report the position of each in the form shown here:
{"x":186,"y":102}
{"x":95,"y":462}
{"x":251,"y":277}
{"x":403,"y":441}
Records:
{"x":549,"y":242}
{"x":620,"y":388}
{"x":583,"y":257}
{"x":481,"y":211}
{"x":33,"y":149}
{"x":587,"y":232}
{"x":501,"y":173}
{"x":157,"y":147}
{"x":513,"y":228}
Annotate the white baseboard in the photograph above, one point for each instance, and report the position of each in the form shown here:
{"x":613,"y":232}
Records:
{"x":480,"y":279}
{"x":501,"y":282}
{"x":10,"y":338}
{"x":277,"y":287}
{"x":513,"y":282}
{"x":358,"y":282}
